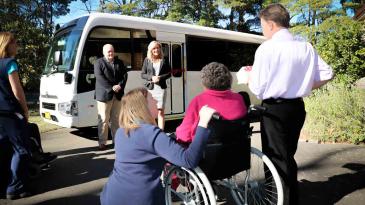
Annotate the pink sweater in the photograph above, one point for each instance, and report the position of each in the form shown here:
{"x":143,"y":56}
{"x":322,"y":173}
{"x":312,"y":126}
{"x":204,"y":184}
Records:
{"x":228,"y":104}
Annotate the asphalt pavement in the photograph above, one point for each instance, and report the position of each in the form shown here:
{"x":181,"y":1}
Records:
{"x":328,"y":173}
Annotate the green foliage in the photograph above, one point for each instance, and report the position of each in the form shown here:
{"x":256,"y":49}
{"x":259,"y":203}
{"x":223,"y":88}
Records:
{"x":243,"y":15}
{"x":204,"y":13}
{"x":307,"y":15}
{"x":32,"y":23}
{"x":351,"y":5}
{"x":338,"y":38}
{"x":336,"y":113}
{"x":340,"y":44}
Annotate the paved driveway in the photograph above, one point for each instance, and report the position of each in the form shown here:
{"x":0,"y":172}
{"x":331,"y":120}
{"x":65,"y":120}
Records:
{"x":328,"y":173}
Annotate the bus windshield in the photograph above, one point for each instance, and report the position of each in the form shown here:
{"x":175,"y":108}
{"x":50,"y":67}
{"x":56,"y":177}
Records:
{"x":66,"y":42}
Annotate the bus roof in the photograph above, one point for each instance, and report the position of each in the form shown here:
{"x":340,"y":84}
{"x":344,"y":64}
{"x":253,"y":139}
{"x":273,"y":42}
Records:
{"x":113,"y":20}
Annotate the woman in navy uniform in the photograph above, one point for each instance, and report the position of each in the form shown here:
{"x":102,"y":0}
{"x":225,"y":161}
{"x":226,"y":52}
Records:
{"x":13,"y":120}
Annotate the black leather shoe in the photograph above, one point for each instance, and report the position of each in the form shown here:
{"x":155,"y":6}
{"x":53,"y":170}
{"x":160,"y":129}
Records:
{"x":44,"y":158}
{"x":17,"y":196}
{"x":49,"y":157}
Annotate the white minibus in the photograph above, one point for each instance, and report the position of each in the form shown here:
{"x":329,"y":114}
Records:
{"x":68,"y":81}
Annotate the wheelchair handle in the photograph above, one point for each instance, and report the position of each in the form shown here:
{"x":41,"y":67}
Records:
{"x":216,"y":116}
{"x":258,"y":108}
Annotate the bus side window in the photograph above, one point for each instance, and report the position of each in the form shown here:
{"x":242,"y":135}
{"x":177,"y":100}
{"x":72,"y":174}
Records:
{"x":141,"y":39}
{"x":176,"y":64}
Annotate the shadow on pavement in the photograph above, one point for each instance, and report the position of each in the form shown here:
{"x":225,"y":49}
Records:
{"x":84,"y":199}
{"x":74,"y":170}
{"x":90,"y":133}
{"x":318,"y":159}
{"x":80,"y":150}
{"x":331,"y":191}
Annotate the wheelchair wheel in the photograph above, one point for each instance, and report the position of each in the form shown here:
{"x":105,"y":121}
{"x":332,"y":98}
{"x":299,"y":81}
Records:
{"x":186,"y":186}
{"x":262,"y":182}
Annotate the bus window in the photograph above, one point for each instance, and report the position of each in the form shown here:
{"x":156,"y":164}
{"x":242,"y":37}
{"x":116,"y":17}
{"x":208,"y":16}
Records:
{"x":98,"y":37}
{"x":141,"y":39}
{"x":93,"y":49}
{"x":177,"y":67}
{"x":129,"y":45}
{"x":166,"y":50}
{"x":67,"y":43}
{"x":201,"y":51}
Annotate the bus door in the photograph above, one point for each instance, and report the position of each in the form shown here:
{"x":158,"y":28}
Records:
{"x":175,"y":85}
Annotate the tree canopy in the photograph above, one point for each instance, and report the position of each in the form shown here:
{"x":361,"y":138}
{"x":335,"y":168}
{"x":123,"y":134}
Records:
{"x":325,"y":24}
{"x":239,"y":15}
{"x":32,"y":23}
{"x":341,"y":44}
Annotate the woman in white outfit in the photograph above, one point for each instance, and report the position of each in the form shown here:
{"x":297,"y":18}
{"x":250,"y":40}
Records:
{"x":156,"y":70}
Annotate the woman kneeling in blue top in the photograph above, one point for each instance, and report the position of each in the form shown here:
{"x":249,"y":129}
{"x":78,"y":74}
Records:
{"x":142,"y":151}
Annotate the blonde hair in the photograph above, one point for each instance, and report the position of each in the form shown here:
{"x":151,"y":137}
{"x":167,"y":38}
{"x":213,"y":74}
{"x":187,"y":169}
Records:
{"x":134,"y":110}
{"x":6,"y":38}
{"x":149,"y":51}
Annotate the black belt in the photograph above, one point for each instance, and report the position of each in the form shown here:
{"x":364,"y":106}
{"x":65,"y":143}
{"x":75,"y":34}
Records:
{"x":282,"y":100}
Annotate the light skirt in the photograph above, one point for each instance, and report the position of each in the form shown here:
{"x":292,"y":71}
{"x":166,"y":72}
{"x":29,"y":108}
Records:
{"x":159,"y":95}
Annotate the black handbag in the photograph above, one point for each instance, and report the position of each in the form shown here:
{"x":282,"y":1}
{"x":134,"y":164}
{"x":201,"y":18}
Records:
{"x":148,"y":85}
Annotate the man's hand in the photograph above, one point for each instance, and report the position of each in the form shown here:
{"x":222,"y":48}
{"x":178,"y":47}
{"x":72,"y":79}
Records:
{"x":116,"y":88}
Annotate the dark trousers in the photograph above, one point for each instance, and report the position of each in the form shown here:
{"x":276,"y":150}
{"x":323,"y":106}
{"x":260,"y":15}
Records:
{"x":280,"y":130}
{"x":5,"y":159}
{"x":14,"y":154}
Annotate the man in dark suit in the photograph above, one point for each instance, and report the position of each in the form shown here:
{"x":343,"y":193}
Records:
{"x":111,"y":78}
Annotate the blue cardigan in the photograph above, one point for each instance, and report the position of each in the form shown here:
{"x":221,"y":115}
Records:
{"x":140,"y":159}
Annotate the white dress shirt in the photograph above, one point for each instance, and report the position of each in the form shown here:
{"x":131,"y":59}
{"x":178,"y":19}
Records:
{"x":286,"y":68}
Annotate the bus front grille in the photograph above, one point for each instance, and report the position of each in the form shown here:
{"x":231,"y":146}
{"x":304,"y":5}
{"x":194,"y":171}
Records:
{"x":49,"y":106}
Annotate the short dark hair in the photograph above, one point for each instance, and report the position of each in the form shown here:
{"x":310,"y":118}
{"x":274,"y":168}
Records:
{"x":276,"y":13}
{"x":216,"y":76}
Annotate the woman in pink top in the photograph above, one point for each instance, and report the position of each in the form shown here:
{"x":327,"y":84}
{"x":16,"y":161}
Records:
{"x":217,"y":94}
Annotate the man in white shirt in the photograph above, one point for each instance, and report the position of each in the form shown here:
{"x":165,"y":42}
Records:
{"x":284,"y":71}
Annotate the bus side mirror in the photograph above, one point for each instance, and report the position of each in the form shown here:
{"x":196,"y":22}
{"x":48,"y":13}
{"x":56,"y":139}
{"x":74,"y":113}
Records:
{"x":68,"y":78}
{"x":57,"y":58}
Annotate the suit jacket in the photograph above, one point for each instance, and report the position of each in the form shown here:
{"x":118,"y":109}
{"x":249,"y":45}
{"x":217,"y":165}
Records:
{"x":107,"y":76}
{"x":148,"y":71}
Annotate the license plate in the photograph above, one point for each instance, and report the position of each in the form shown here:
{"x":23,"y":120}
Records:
{"x":47,"y":115}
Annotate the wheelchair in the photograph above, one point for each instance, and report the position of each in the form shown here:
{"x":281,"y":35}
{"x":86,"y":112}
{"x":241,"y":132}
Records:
{"x":229,"y":162}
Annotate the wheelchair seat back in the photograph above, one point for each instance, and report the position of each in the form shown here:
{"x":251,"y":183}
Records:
{"x":228,"y":149}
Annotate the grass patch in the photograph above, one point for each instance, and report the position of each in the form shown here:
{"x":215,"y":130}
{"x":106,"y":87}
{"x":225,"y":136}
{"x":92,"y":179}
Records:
{"x":35,"y":118}
{"x":336,"y":114}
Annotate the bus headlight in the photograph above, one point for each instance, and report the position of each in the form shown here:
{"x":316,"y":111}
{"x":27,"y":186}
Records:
{"x":68,"y":108}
